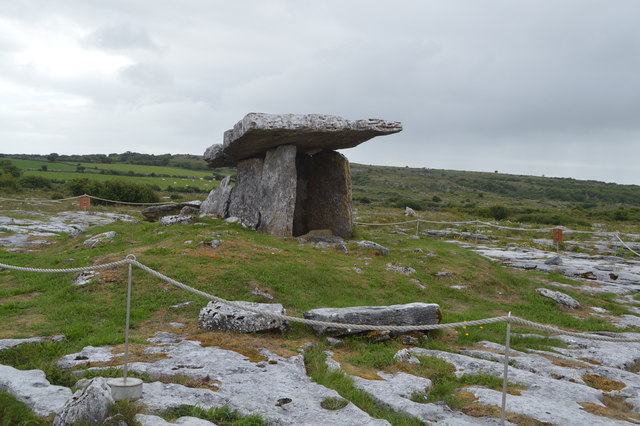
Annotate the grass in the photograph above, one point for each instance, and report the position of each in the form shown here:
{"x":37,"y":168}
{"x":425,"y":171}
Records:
{"x":220,"y":416}
{"x":15,"y":413}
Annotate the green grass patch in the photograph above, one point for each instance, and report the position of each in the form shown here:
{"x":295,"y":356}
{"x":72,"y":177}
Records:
{"x":221,"y":416}
{"x":15,"y":413}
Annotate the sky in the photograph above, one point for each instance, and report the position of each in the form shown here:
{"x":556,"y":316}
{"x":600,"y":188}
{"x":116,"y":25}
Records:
{"x":533,"y":87}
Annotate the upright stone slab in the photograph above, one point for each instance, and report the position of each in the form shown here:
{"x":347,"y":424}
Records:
{"x":278,"y":188}
{"x":247,"y":195}
{"x":329,"y":194}
{"x":218,"y":200}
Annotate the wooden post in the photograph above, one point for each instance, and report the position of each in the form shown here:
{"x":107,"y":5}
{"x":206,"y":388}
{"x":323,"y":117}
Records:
{"x":85,"y":202}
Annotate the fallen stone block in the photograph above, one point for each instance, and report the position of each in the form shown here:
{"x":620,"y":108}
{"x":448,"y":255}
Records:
{"x":408,"y":314}
{"x":221,"y":317}
{"x":380,"y":249}
{"x":559,"y":297}
{"x":177,"y":220}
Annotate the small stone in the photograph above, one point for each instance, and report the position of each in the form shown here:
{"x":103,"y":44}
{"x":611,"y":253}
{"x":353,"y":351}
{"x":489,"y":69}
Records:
{"x":418,"y":250}
{"x":232,"y":220}
{"x":443,"y":274}
{"x":189,"y":211}
{"x":373,"y":246}
{"x":322,"y":245}
{"x":188,"y":242}
{"x":100,"y":238}
{"x":418,"y":283}
{"x":410,"y":340}
{"x":257,"y":292}
{"x":394,"y":267}
{"x":85,"y":277}
{"x":177,"y":325}
{"x":182,"y":304}
{"x":408,"y":211}
{"x":358,"y":270}
{"x":334,"y":342}
{"x":403,"y":355}
{"x":459,"y":287}
{"x":556,"y":260}
{"x":177,"y":220}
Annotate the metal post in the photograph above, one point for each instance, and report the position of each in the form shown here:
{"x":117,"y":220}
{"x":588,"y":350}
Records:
{"x":126,"y":327}
{"x":417,"y":226}
{"x":505,"y":379}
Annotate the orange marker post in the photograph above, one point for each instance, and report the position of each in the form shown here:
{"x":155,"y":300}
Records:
{"x":557,"y":238}
{"x":85,"y":202}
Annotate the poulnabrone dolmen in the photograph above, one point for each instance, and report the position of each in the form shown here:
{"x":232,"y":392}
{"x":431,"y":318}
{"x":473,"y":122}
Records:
{"x":290,"y":180}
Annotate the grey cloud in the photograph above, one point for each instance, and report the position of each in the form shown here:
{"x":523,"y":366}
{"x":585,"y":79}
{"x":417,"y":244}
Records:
{"x":121,"y":35}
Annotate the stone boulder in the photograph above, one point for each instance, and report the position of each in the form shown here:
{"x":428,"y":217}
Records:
{"x":380,"y":249}
{"x":559,"y":297}
{"x":156,"y":212}
{"x":408,"y":314}
{"x":217,"y":201}
{"x":222,"y":317}
{"x":177,"y":220}
{"x":100,"y":238}
{"x":88,"y":405}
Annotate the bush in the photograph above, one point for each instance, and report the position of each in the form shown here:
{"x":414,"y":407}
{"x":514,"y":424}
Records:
{"x":117,"y":190}
{"x":551,"y":219}
{"x":496,"y":212}
{"x":35,"y":182}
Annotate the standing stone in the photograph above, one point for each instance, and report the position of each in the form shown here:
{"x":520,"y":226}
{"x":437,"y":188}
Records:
{"x":88,"y":405}
{"x":247,"y":195}
{"x":218,"y":200}
{"x":278,"y":188}
{"x":329,"y":194}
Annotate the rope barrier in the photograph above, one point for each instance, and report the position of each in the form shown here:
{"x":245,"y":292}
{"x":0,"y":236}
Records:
{"x":360,"y":327}
{"x":45,"y":200}
{"x":626,"y":246}
{"x":40,"y":200}
{"x":130,"y":203}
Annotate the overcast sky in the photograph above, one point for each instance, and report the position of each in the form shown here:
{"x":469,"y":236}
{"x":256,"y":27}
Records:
{"x":526,"y":87}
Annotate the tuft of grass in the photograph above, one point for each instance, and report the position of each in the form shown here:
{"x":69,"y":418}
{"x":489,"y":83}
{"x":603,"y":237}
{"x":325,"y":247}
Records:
{"x":218,"y":415}
{"x":15,"y":413}
{"x":39,"y":356}
{"x":333,"y":403}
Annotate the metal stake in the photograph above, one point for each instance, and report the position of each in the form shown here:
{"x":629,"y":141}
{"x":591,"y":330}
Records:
{"x":126,"y":327}
{"x":506,"y":371}
{"x":417,"y":226}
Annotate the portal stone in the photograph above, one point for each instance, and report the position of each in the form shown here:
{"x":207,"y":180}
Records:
{"x":218,"y":200}
{"x":247,"y":195}
{"x":278,"y":188}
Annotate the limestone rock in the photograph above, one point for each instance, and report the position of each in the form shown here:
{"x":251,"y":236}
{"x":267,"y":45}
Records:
{"x":88,"y":405}
{"x":189,"y":211}
{"x":278,"y":189}
{"x":149,"y":420}
{"x":86,"y":355}
{"x":97,"y":239}
{"x":218,"y":316}
{"x":373,"y":246}
{"x":405,"y":270}
{"x":246,"y":197}
{"x":12,"y":343}
{"x":559,"y":297}
{"x":156,"y":212}
{"x":408,"y":314}
{"x":321,"y":235}
{"x":32,"y":388}
{"x":214,"y":156}
{"x":218,"y":200}
{"x":177,"y":220}
{"x":329,"y":194}
{"x":256,"y":133}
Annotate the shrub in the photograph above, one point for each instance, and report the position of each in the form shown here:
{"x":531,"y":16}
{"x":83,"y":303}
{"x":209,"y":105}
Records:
{"x":35,"y":182}
{"x":496,"y":212}
{"x":117,"y":190}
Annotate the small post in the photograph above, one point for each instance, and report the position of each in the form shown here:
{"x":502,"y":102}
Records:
{"x":417,"y":226}
{"x":557,"y":238}
{"x":84,"y":202}
{"x":505,"y":379}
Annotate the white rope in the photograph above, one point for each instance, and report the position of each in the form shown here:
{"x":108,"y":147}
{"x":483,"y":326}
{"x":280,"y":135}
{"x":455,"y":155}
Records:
{"x":130,"y":203}
{"x":359,"y":327}
{"x":626,"y":246}
{"x":40,"y":200}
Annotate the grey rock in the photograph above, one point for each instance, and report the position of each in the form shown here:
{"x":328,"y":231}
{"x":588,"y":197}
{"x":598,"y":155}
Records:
{"x":87,"y":355}
{"x":418,"y":283}
{"x":459,"y":287}
{"x":394,"y":267}
{"x":12,"y":343}
{"x":556,"y":260}
{"x":373,"y":246}
{"x":178,"y":325}
{"x":321,"y":235}
{"x":156,"y":212}
{"x":334,"y":342}
{"x":559,"y":297}
{"x":257,"y":292}
{"x":232,"y":219}
{"x":328,"y":193}
{"x":165,"y":338}
{"x":182,"y":304}
{"x":278,"y":191}
{"x":177,"y":220}
{"x":189,"y":211}
{"x":443,"y":274}
{"x":403,"y":355}
{"x":214,"y":156}
{"x":88,"y":405}
{"x":246,"y":197}
{"x":217,"y":201}
{"x":244,"y":386}
{"x":85,"y":277}
{"x":218,"y":316}
{"x":149,"y":420}
{"x":408,"y":314}
{"x":256,"y":133}
{"x":100,"y":238}
{"x":322,"y":245}
{"x":408,"y":211}
{"x":32,"y":388}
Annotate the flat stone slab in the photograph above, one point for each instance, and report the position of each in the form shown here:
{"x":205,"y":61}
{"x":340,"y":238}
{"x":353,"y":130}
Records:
{"x":32,"y":388}
{"x":310,"y":133}
{"x":408,"y":314}
{"x":219,"y":316}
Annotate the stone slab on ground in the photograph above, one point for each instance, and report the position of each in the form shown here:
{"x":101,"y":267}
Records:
{"x":12,"y":343}
{"x":407,"y":314}
{"x":250,"y":388}
{"x":32,"y":388}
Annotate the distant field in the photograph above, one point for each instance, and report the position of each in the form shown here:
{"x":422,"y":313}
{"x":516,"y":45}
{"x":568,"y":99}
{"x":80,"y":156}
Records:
{"x":34,"y":164}
{"x":163,"y":183}
{"x":159,"y":170}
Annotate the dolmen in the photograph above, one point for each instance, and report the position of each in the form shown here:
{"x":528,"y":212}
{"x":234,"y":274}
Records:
{"x":290,"y":179}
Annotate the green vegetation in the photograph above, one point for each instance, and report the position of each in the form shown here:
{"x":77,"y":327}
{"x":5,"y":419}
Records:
{"x":14,"y":413}
{"x":220,"y":416}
